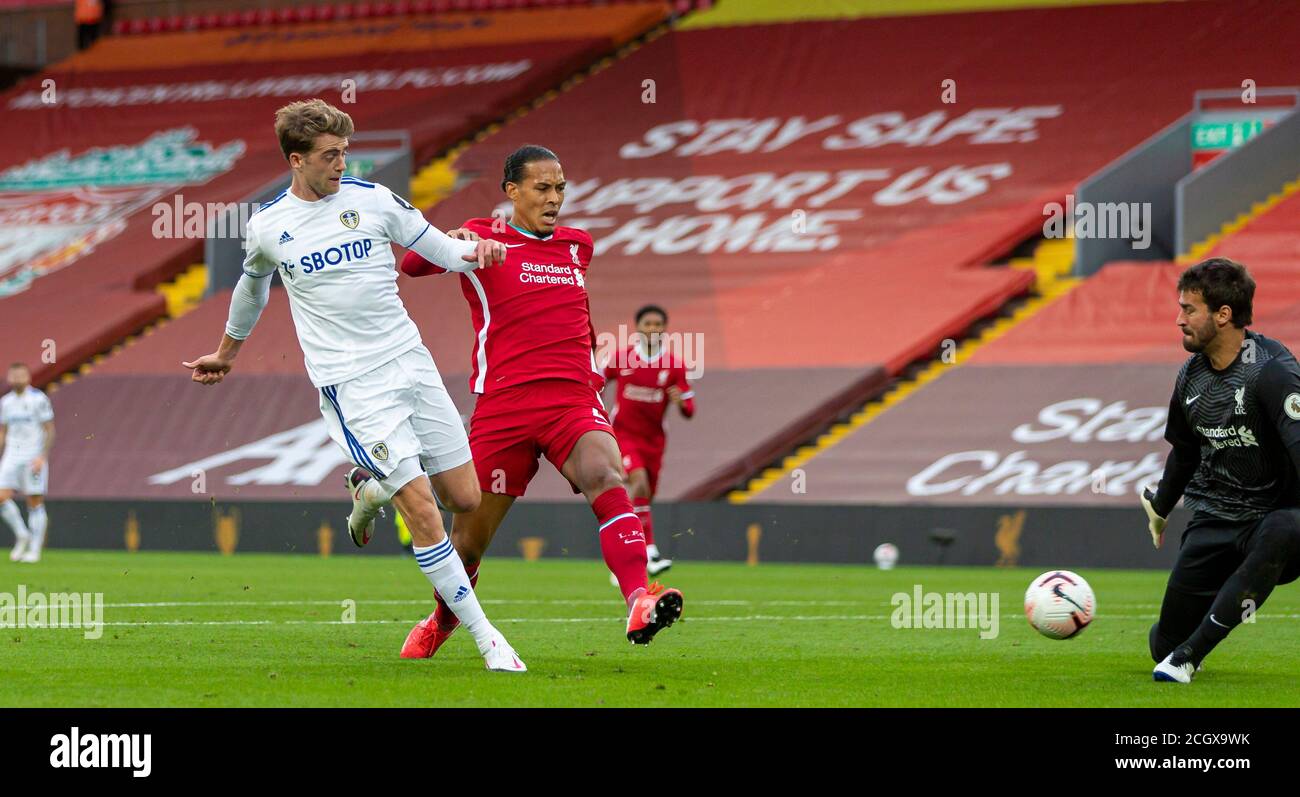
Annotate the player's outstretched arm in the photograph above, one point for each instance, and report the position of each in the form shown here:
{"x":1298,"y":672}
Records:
{"x":246,"y":303}
{"x":453,"y":254}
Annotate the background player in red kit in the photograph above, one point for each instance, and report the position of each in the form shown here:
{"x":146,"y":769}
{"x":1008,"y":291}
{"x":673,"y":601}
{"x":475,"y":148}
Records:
{"x":649,"y":377}
{"x":534,"y":370}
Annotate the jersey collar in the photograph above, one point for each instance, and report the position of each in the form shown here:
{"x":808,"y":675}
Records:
{"x":532,"y":235}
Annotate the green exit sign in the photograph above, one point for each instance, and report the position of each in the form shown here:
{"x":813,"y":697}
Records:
{"x":359,"y":167}
{"x":1224,"y":135}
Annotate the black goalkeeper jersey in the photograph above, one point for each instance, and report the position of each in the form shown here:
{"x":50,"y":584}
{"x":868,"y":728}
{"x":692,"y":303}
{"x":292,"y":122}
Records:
{"x":1235,"y":434}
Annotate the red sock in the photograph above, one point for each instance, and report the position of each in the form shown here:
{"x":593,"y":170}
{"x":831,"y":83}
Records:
{"x":444,"y":616}
{"x":642,"y":508}
{"x":622,"y":542}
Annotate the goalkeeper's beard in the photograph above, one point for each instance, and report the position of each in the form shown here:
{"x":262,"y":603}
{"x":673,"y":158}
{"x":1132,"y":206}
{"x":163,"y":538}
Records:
{"x":1196,"y":342}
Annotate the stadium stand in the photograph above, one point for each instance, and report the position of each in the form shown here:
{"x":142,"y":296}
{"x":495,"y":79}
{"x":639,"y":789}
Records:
{"x":129,"y":128}
{"x":134,"y":23}
{"x":818,"y":233}
{"x":1082,"y":385}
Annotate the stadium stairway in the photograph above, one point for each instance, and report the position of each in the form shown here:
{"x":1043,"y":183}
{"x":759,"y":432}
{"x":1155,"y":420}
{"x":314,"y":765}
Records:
{"x":1269,"y":230}
{"x":1051,"y":264}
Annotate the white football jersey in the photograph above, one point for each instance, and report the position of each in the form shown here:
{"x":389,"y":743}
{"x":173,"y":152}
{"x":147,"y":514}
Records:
{"x":22,"y":416}
{"x":338,"y":268}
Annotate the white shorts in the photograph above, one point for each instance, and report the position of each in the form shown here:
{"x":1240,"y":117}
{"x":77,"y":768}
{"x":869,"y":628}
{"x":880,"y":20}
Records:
{"x":397,"y":412}
{"x":16,"y":474}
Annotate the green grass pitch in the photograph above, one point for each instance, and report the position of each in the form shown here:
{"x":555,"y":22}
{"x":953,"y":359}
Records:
{"x":195,"y":629}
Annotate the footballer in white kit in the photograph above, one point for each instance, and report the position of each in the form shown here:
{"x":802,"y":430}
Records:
{"x":26,"y":435}
{"x":380,"y":393}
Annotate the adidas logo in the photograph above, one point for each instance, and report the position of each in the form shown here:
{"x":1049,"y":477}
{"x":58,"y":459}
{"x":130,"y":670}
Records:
{"x":461,"y":592}
{"x":285,"y":237}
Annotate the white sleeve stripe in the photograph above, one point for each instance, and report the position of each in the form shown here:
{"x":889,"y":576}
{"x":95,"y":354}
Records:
{"x":421,"y":235}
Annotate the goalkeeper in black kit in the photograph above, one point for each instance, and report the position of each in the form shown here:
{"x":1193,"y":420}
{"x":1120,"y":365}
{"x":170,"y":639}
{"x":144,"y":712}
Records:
{"x":1234,"y":424}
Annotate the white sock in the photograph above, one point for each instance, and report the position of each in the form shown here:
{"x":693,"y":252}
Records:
{"x":38,"y":521}
{"x":9,"y":511}
{"x":652,"y":551}
{"x":442,"y":566}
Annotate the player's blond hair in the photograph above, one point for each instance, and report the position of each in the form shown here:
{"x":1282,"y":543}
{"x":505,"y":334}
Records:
{"x":299,"y":123}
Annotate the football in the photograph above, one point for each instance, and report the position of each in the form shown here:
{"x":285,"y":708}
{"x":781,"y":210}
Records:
{"x":1059,"y":604}
{"x":886,"y":555}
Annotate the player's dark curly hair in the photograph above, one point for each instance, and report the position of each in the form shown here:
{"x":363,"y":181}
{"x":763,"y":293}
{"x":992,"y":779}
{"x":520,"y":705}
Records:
{"x":652,"y":308}
{"x":518,"y":160}
{"x":1221,"y":282}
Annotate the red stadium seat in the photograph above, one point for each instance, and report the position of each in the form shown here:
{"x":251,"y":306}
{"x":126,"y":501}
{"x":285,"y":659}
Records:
{"x":265,"y":16}
{"x":343,"y":11}
{"x":383,"y":9}
{"x":402,"y":8}
{"x":422,"y":6}
{"x":284,"y":16}
{"x":247,"y":18}
{"x":209,"y":21}
{"x":121,"y":27}
{"x":230,"y":19}
{"x":154,"y":25}
{"x":363,"y":11}
{"x":325,"y":12}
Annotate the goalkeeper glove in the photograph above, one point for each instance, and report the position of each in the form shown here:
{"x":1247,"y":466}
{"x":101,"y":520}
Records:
{"x":1155,"y":523}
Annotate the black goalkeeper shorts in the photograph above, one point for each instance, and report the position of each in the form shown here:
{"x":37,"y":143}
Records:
{"x":1213,"y":548}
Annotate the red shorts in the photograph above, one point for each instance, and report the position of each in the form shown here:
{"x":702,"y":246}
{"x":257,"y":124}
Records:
{"x":638,"y":455}
{"x":513,"y":426}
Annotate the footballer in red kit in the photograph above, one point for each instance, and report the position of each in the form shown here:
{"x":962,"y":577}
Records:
{"x":534,"y":371}
{"x":649,"y":378}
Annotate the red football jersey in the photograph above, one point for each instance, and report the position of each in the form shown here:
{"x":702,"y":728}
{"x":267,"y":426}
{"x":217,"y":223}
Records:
{"x":643,"y":395}
{"x":531,"y":316}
